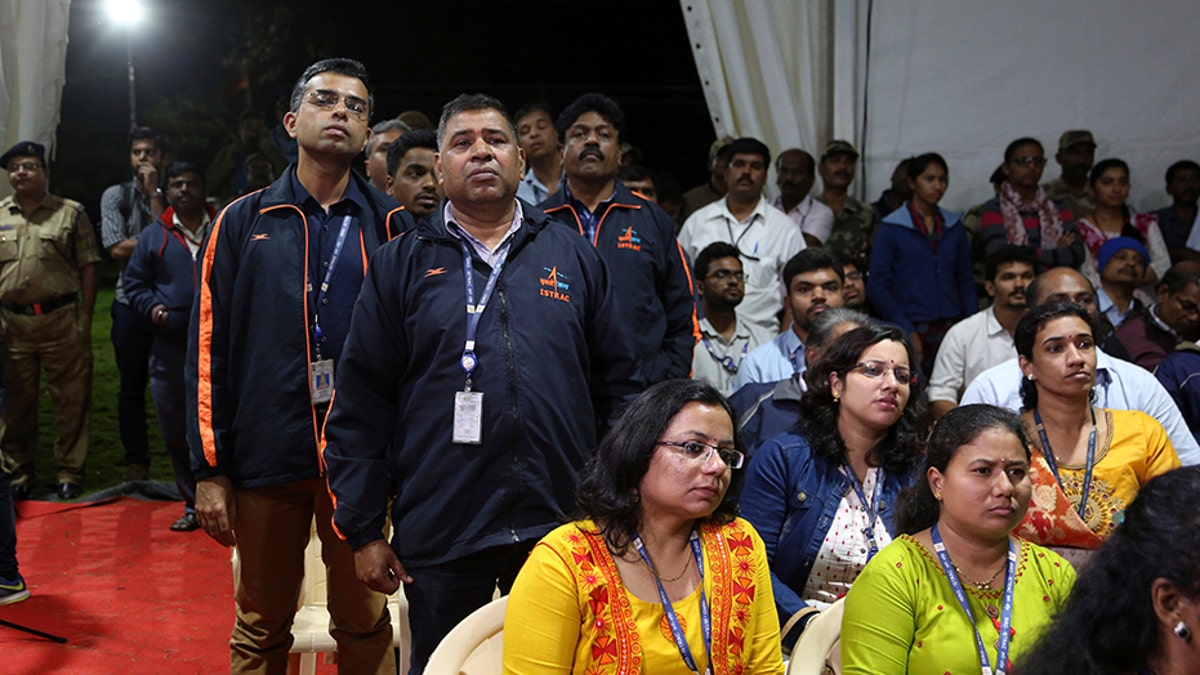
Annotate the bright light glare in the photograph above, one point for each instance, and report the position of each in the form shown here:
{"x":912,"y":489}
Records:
{"x":128,"y":12}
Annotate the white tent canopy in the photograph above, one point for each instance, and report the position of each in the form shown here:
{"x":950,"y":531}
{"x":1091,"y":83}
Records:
{"x":960,"y":78}
{"x":33,"y":57}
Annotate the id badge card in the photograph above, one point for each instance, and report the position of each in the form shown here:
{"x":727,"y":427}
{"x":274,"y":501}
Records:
{"x":320,"y":381}
{"x":468,"y":417}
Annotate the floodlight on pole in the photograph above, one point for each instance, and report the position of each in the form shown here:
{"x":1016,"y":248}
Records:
{"x":128,"y":13}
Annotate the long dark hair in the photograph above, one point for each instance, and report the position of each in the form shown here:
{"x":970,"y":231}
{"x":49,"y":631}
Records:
{"x":1109,"y":625}
{"x":916,"y":508}
{"x":900,"y":450}
{"x":608,"y":486}
{"x":1026,"y":334}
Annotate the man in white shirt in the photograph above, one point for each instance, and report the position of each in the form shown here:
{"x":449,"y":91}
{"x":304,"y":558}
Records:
{"x":1119,"y":384}
{"x":984,"y":339}
{"x":725,"y":338}
{"x":795,"y":173}
{"x":764,"y":236}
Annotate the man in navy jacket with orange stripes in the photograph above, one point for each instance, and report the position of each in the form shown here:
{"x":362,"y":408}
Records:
{"x":279,"y":276}
{"x":633,"y":236}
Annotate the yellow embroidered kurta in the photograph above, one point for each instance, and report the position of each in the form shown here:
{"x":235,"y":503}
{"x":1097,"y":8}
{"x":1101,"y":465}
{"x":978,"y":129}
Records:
{"x":570,"y":613}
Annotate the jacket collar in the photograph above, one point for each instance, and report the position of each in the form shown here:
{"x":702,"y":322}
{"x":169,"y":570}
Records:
{"x":433,"y":226}
{"x":903,"y":218}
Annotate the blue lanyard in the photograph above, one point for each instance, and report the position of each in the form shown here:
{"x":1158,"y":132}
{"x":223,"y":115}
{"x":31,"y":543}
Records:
{"x":1010,"y":582}
{"x":474,"y":312}
{"x":705,"y":618}
{"x":1048,"y":454}
{"x":337,"y":253}
{"x":871,"y":507}
{"x":725,"y":361}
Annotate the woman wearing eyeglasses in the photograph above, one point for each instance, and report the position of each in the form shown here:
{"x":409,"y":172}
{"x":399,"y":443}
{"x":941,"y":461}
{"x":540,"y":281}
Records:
{"x":1090,"y":462}
{"x":1023,"y":215}
{"x":921,"y":277}
{"x":823,"y":496}
{"x":656,"y":575}
{"x":1113,"y":217}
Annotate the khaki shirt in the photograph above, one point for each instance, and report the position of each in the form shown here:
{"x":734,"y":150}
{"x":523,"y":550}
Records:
{"x":853,"y":230}
{"x":42,"y":253}
{"x":1081,"y":205}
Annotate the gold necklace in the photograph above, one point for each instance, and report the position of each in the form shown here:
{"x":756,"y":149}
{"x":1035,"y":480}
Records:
{"x":981,"y":585}
{"x":677,"y":577}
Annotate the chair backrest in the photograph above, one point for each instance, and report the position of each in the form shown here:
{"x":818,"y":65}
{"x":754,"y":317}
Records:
{"x":475,"y":646}
{"x":818,"y":638}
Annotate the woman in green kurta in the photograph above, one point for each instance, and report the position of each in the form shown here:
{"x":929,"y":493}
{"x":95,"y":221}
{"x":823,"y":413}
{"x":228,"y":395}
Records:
{"x":938,"y":599}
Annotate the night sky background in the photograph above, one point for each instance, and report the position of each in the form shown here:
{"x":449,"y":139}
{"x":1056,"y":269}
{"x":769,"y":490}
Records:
{"x":200,"y":63}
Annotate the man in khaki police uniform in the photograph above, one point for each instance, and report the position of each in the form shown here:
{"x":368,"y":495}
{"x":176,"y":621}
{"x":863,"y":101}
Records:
{"x":47,"y":259}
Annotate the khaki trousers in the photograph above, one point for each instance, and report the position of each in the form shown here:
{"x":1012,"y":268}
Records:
{"x":272,"y":526}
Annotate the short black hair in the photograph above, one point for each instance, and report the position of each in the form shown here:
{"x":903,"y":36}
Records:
{"x":627,"y":172}
{"x":809,"y":259}
{"x":417,"y":138}
{"x":591,"y":102}
{"x":714,"y":251}
{"x":1181,"y":165}
{"x":178,"y":168}
{"x":524,"y":110}
{"x":341,"y":66}
{"x":470,"y":103}
{"x":1178,"y":278}
{"x":147,"y":133}
{"x":749,"y":146}
{"x":1024,"y":140}
{"x":1005,"y":254}
{"x":251,"y":114}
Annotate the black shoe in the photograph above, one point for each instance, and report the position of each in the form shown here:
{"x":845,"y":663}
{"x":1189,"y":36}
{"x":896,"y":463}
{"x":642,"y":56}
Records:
{"x":186,"y":524}
{"x":69,"y":491}
{"x":21,"y":491}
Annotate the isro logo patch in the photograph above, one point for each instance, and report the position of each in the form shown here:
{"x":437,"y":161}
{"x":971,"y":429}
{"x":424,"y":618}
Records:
{"x":630,"y":240}
{"x":554,"y":285}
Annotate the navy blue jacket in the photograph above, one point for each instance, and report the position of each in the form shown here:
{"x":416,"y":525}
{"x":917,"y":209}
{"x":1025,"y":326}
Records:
{"x":250,"y":415}
{"x":650,"y":275}
{"x":162,"y":271}
{"x":791,"y":497}
{"x":554,"y":357}
{"x":767,"y":409}
{"x":909,"y":282}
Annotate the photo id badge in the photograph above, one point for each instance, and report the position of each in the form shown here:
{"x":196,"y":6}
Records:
{"x":468,"y":417}
{"x":320,"y":380}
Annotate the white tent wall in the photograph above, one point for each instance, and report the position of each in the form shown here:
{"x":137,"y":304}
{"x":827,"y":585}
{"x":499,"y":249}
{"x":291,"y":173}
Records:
{"x":33,"y":57}
{"x":959,"y":78}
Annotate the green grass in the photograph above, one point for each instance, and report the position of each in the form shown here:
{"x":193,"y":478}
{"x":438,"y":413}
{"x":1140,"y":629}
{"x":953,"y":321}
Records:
{"x":105,"y":452}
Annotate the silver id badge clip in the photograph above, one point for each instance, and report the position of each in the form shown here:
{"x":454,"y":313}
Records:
{"x":468,"y":417}
{"x":320,"y":381}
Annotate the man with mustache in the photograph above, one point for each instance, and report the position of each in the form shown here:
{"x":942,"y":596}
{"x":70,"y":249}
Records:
{"x":480,"y":414}
{"x":984,"y":339}
{"x":278,"y":279}
{"x":1173,"y":318}
{"x":634,"y":237}
{"x":854,"y":223}
{"x":814,"y":282}
{"x":410,"y":172}
{"x":1122,"y":263}
{"x":766,"y":239}
{"x":1119,"y":383}
{"x":795,"y":174}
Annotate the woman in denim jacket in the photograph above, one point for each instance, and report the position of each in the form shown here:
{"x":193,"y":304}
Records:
{"x":822,"y":497}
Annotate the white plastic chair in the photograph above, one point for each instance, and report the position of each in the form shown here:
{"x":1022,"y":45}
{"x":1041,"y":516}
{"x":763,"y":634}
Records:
{"x":310,"y":629}
{"x":812,"y":649}
{"x":475,"y":646}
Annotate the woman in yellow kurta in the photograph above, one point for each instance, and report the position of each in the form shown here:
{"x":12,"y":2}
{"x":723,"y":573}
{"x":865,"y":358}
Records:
{"x":1090,"y":462}
{"x":657,"y":575}
{"x":940,"y":597}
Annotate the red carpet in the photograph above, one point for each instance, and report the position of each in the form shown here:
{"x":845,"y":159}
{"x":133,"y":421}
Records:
{"x":129,"y":595}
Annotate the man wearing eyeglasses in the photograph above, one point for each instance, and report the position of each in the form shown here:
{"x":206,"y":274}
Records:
{"x":1173,"y":318}
{"x":47,"y":293}
{"x":725,"y":338}
{"x":278,"y":278}
{"x":634,"y":237}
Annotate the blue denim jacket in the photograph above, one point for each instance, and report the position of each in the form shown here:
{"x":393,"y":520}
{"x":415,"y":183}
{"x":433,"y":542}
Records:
{"x":791,"y":496}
